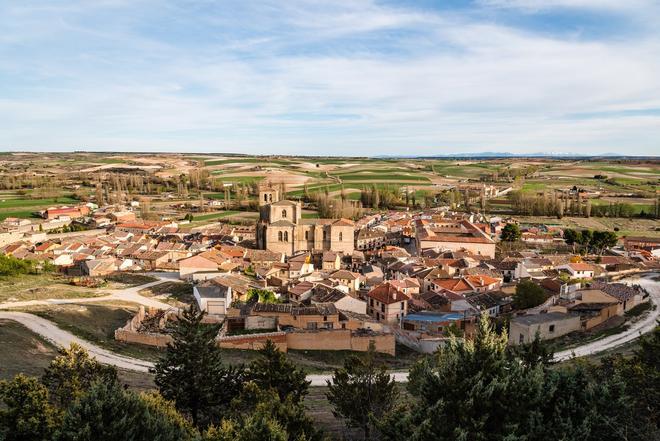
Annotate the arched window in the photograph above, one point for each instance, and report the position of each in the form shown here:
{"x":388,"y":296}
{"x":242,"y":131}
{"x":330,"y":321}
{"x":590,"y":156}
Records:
{"x":265,"y":197}
{"x":341,"y":237}
{"x":306,"y":235}
{"x":283,"y":213}
{"x":279,"y":236}
{"x":286,"y":236}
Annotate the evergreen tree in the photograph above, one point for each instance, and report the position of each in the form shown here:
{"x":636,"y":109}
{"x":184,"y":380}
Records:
{"x":191,"y":373}
{"x":255,"y":404}
{"x":25,"y":414}
{"x":272,"y":370}
{"x":511,"y":233}
{"x":528,"y":295}
{"x":362,"y":391}
{"x":470,"y":390}
{"x":71,"y":374}
{"x":107,"y":412}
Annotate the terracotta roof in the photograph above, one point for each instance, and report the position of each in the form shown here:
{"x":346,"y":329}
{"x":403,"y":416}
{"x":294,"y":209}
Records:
{"x":387,"y":293}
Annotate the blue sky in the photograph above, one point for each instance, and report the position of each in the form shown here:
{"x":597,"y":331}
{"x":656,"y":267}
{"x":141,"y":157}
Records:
{"x":356,"y":77}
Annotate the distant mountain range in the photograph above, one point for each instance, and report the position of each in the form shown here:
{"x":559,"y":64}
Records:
{"x":491,"y":155}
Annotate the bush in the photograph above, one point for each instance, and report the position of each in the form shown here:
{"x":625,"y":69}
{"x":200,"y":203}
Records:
{"x":11,"y":266}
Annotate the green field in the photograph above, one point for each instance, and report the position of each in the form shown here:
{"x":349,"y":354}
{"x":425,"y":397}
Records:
{"x":18,"y":203}
{"x":217,"y":215}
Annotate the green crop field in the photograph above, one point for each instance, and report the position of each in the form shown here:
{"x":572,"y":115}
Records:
{"x":18,"y":203}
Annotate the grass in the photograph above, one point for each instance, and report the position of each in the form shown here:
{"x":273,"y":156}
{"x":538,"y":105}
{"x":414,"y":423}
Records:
{"x":97,"y":323}
{"x":130,"y":279}
{"x":18,"y":203}
{"x":178,"y":293}
{"x":216,"y":215}
{"x":25,"y":352}
{"x":25,"y":214}
{"x":40,"y":287}
{"x":383,"y":177}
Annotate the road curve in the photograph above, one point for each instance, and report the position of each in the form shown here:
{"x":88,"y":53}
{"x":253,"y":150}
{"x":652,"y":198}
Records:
{"x":63,"y":338}
{"x":125,"y":294}
{"x":636,"y":329}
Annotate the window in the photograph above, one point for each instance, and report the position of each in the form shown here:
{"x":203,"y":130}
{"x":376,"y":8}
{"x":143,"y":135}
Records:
{"x":402,"y":306}
{"x":306,"y":235}
{"x":311,"y":325}
{"x":341,"y":237}
{"x":371,"y":301}
{"x":279,"y":236}
{"x":552,"y":328}
{"x":265,"y":197}
{"x":286,"y":236}
{"x":325,"y":235}
{"x":325,"y":318}
{"x":382,"y":308}
{"x":283,"y":213}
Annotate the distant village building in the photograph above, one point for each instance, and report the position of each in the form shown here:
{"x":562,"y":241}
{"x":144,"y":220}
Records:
{"x":282,"y":229}
{"x":453,"y":235}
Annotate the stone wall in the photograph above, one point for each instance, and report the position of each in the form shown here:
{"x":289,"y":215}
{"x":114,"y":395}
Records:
{"x":334,"y":340}
{"x":129,"y":333}
{"x":253,"y":341}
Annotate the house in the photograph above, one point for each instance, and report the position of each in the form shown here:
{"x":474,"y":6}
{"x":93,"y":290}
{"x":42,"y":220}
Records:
{"x":408,"y":286}
{"x":66,"y":212}
{"x":431,"y":322}
{"x":213,"y":299}
{"x":99,"y":267}
{"x":453,"y":235}
{"x":195,"y":264}
{"x":595,"y":307}
{"x":300,"y":291}
{"x":342,"y":301}
{"x":628,"y":296}
{"x":386,"y":303}
{"x":488,"y":302}
{"x":317,"y":316}
{"x":346,"y":278}
{"x":523,"y":329}
{"x":459,"y":286}
{"x":578,"y":270}
{"x":370,"y":239}
{"x":240,"y":285}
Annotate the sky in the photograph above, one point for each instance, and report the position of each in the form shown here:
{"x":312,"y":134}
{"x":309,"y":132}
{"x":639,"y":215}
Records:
{"x":358,"y":77}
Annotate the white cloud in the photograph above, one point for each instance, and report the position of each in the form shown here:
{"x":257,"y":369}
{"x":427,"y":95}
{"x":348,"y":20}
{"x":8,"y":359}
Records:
{"x":320,"y":80}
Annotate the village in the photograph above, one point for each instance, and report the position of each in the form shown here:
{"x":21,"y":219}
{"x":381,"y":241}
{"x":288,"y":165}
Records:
{"x":413,"y":278}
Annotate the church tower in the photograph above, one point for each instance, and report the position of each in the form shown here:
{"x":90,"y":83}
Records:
{"x":268,"y":195}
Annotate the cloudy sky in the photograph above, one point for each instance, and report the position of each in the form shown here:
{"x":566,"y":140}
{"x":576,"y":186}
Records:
{"x":355,"y":77}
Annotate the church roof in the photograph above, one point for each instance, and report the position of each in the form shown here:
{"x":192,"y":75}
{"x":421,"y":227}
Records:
{"x":282,"y":223}
{"x":284,"y":202}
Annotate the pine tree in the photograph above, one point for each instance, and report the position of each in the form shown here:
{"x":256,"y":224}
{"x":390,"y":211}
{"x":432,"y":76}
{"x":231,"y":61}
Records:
{"x":107,"y":412}
{"x":191,"y":373}
{"x":272,"y":370}
{"x":362,"y":391}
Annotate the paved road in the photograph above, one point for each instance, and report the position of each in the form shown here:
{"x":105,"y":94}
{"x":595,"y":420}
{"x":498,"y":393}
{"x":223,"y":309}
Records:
{"x":60,"y":337}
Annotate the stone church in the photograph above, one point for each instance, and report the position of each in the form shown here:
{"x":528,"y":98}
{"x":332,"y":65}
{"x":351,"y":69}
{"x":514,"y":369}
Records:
{"x":281,"y":228}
